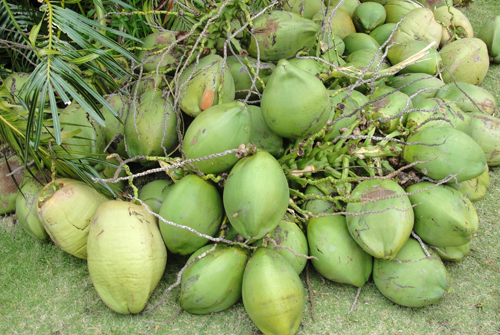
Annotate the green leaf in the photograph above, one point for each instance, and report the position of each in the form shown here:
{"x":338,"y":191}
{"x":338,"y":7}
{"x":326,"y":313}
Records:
{"x":34,"y":34}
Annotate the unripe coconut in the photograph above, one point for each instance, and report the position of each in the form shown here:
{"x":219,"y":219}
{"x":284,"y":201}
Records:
{"x":382,"y":33}
{"x":453,"y":254}
{"x":340,"y":24}
{"x":280,"y":34}
{"x":381,"y":227}
{"x":158,"y":51}
{"x":272,"y":293}
{"x":8,"y":188}
{"x":475,"y":189}
{"x":437,"y":108}
{"x":444,"y":216}
{"x":154,"y":193}
{"x":466,"y":61}
{"x":90,"y":142}
{"x":420,"y":25}
{"x":485,"y":130}
{"x":305,"y":8}
{"x":27,"y":215}
{"x":339,"y":257}
{"x":454,"y":22}
{"x":288,"y":235}
{"x":368,"y":16}
{"x":349,"y":6}
{"x":195,"y":203}
{"x":126,"y":255}
{"x":66,"y":208}
{"x":446,"y":151}
{"x":207,"y":80}
{"x":359,"y":41}
{"x":151,"y":129}
{"x":469,"y":97}
{"x":256,"y":195}
{"x":490,"y":34}
{"x":428,"y":64}
{"x":242,"y":76}
{"x":213,"y":283}
{"x":397,"y":9}
{"x":295,"y":103}
{"x":219,"y":128}
{"x":262,"y":136}
{"x":411,"y":83}
{"x":317,"y":206}
{"x":412,"y":279}
{"x":114,"y":131}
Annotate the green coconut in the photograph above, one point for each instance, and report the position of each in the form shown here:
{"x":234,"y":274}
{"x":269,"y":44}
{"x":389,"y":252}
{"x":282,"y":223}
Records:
{"x":382,"y":33}
{"x":389,"y":106}
{"x":89,"y":142}
{"x":444,"y":216}
{"x":475,"y":189}
{"x":453,"y":254}
{"x":287,"y":235}
{"x":368,"y":16}
{"x":428,"y":64}
{"x":469,"y":97}
{"x":411,"y":83}
{"x":380,"y":226}
{"x":455,"y":24}
{"x":255,"y":206}
{"x":446,"y":151}
{"x":466,"y":61}
{"x":154,"y":193}
{"x":433,"y":4}
{"x":359,"y":41}
{"x":412,"y":279}
{"x":242,"y":75}
{"x":485,"y":130}
{"x":420,"y":25}
{"x":490,"y":34}
{"x":318,"y":206}
{"x":213,"y":283}
{"x":397,"y":9}
{"x":437,"y":108}
{"x":202,"y":83}
{"x":295,"y":103}
{"x":339,"y":257}
{"x":114,"y":132}
{"x":280,"y":34}
{"x":362,"y":58}
{"x":340,"y":24}
{"x":308,"y":65}
{"x":157,"y":52}
{"x":8,"y":188}
{"x":126,"y":255}
{"x":272,"y":293}
{"x":66,"y":208}
{"x":151,"y":129}
{"x":305,"y":8}
{"x":343,"y":114}
{"x":347,"y":5}
{"x":191,"y":202}
{"x":219,"y":128}
{"x":262,"y":136}
{"x":26,"y":213}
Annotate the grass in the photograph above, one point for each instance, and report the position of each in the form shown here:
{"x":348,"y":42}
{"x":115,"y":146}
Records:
{"x":46,"y":291}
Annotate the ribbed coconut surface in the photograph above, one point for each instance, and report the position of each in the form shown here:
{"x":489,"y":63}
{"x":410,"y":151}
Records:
{"x":126,"y":255}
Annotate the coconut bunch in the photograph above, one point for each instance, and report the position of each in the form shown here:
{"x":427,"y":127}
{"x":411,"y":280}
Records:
{"x":352,"y":134}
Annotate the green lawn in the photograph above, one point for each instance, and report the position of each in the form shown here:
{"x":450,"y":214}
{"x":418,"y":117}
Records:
{"x":46,"y":291}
